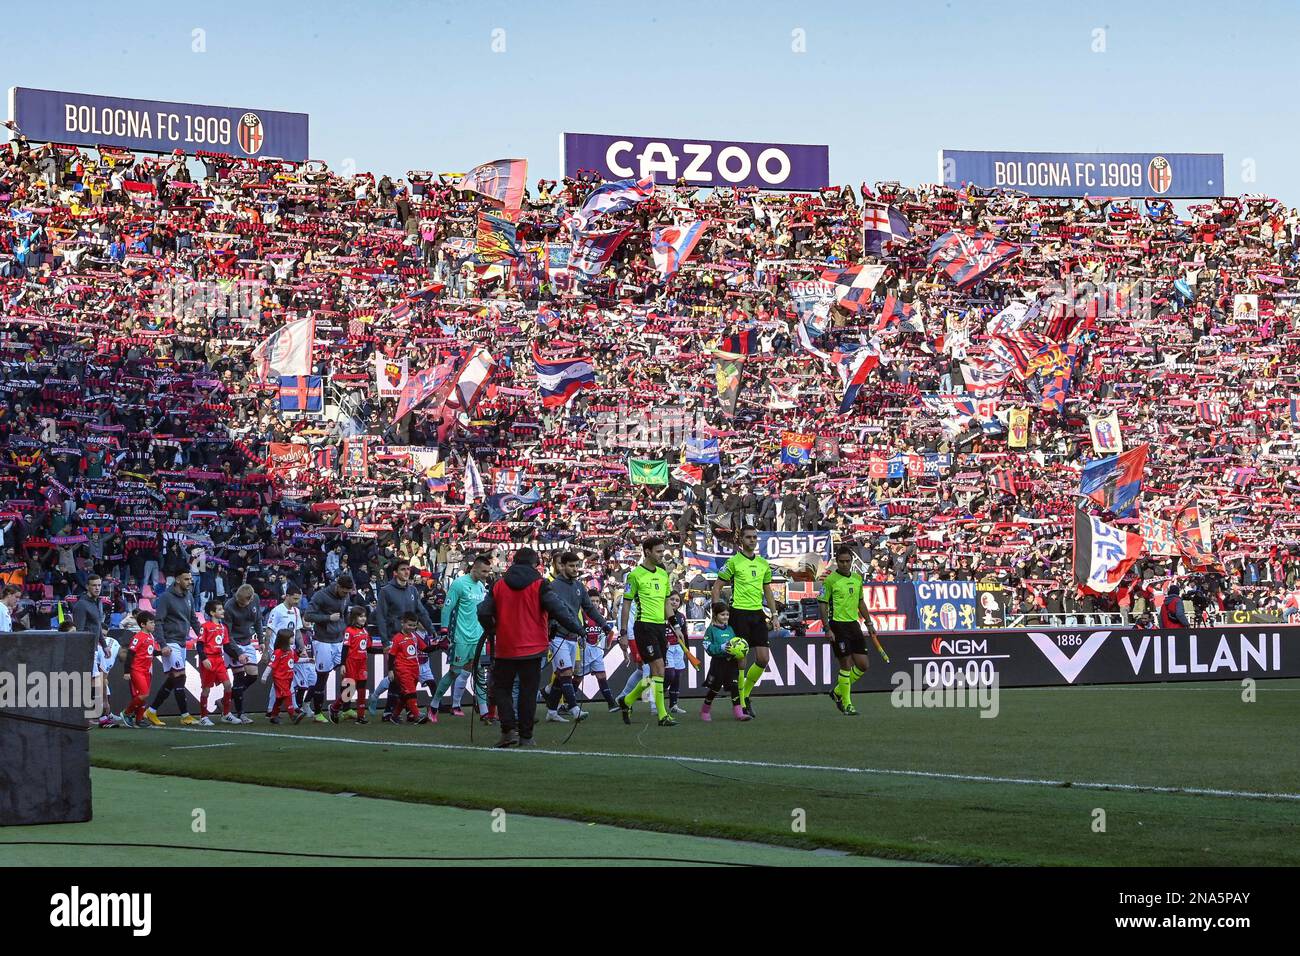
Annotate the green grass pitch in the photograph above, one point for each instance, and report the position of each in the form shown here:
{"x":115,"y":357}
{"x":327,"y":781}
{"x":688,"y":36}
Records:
{"x":1185,"y":774}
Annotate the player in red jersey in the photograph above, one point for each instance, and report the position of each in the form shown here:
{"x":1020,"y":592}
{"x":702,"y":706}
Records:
{"x":283,"y":659}
{"x":139,"y":662}
{"x":213,"y":641}
{"x":404,"y":660}
{"x":356,"y":659}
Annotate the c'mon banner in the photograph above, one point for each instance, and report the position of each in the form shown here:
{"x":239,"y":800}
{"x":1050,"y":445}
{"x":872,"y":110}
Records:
{"x":1150,"y":175}
{"x":155,"y":126}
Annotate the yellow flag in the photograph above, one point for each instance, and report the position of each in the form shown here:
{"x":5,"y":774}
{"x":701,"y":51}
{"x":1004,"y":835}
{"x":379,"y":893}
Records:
{"x":1018,"y":428}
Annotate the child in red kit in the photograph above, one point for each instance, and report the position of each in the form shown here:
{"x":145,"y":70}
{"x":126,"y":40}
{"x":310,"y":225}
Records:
{"x":283,"y":659}
{"x":404,"y":660}
{"x":356,"y":659}
{"x":139,"y":662}
{"x":213,"y":641}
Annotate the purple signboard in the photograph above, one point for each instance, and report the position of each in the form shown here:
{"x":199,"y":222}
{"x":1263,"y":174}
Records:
{"x":701,"y":162}
{"x":84,"y":119}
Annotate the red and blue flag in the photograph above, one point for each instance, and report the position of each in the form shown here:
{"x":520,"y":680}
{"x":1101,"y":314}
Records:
{"x":1114,"y":482}
{"x":301,"y":393}
{"x":967,"y":259}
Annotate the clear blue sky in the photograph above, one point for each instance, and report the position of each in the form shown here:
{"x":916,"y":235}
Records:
{"x":416,"y":85}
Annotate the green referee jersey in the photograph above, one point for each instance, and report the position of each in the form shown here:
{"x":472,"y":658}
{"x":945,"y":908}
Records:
{"x":650,"y":591}
{"x":747,"y":577}
{"x":844,"y":594}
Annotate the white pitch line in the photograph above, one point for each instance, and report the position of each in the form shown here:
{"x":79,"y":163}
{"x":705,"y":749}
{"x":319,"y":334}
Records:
{"x":771,"y":765}
{"x":202,"y":746}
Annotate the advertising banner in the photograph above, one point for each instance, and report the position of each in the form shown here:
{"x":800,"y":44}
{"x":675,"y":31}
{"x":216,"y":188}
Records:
{"x":939,"y":661}
{"x":701,"y":162}
{"x":84,"y":119}
{"x":1167,"y":175}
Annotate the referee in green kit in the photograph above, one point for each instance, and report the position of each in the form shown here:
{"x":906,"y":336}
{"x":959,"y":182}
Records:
{"x":750,"y":577}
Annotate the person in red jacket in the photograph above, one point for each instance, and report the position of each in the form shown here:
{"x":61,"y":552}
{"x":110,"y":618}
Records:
{"x":282,"y":661}
{"x":1172,"y":614}
{"x":516,"y":616}
{"x":404,"y":661}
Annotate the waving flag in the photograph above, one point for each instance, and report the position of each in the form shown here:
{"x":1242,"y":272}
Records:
{"x":286,"y":351}
{"x":853,"y":285}
{"x":1295,"y":412}
{"x":1211,"y":413}
{"x":1158,"y":535}
{"x":592,"y":251}
{"x":812,"y":300}
{"x":801,"y":330}
{"x":496,"y":238}
{"x":502,"y":505}
{"x":985,"y":377}
{"x":473,"y":481}
{"x":796,"y":448}
{"x":502,"y":180}
{"x":895,"y":312}
{"x":880,"y":224}
{"x":1115,"y":482}
{"x":613,"y":197}
{"x":727,"y":375}
{"x":672,"y":245}
{"x":560,"y":379}
{"x":422,"y":386}
{"x":1192,"y":535}
{"x":647,"y":471}
{"x":703,"y":451}
{"x":301,"y":393}
{"x":688,"y":474}
{"x":740,"y":344}
{"x":854,"y":367}
{"x":967,"y":259}
{"x":471,"y":378}
{"x":391,"y":375}
{"x":1102,"y":553}
{"x":1003,"y":481}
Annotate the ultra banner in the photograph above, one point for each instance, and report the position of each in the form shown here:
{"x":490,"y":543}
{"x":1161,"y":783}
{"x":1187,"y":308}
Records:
{"x":701,"y":162}
{"x":84,"y":119}
{"x":1020,"y":658}
{"x":1166,"y":175}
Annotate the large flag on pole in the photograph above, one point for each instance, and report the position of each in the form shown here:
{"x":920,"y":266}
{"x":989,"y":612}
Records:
{"x":1115,"y":482}
{"x":496,"y":238}
{"x":593,"y":250}
{"x":422,"y":386}
{"x":502,"y":180}
{"x":471,"y":379}
{"x":1102,"y":553}
{"x":728,"y":373}
{"x":673,"y":245}
{"x":967,"y":259}
{"x":473,"y":481}
{"x":854,"y":367}
{"x":613,"y":197}
{"x":286,"y":351}
{"x":853,"y":285}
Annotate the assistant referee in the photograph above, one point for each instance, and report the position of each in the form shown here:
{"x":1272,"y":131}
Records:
{"x":750,"y":577}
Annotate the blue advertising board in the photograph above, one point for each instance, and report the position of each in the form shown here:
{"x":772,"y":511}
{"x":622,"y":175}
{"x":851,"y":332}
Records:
{"x":945,"y":605}
{"x":83,"y":119}
{"x":1152,"y":175}
{"x":701,"y":162}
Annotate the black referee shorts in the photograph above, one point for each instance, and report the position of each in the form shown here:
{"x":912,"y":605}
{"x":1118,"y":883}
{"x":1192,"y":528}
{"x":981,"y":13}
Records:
{"x":751,"y":625}
{"x":846,"y":638}
{"x":650,"y":640}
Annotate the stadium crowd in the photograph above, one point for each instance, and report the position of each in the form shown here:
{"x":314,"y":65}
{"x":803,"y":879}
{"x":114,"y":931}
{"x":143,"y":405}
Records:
{"x":142,"y":437}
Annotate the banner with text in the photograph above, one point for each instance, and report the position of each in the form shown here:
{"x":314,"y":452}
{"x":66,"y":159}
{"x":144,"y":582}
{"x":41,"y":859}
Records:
{"x":701,"y":162}
{"x":1168,"y":175}
{"x":84,"y":119}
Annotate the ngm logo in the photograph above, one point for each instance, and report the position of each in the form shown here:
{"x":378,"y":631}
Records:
{"x":959,"y":647}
